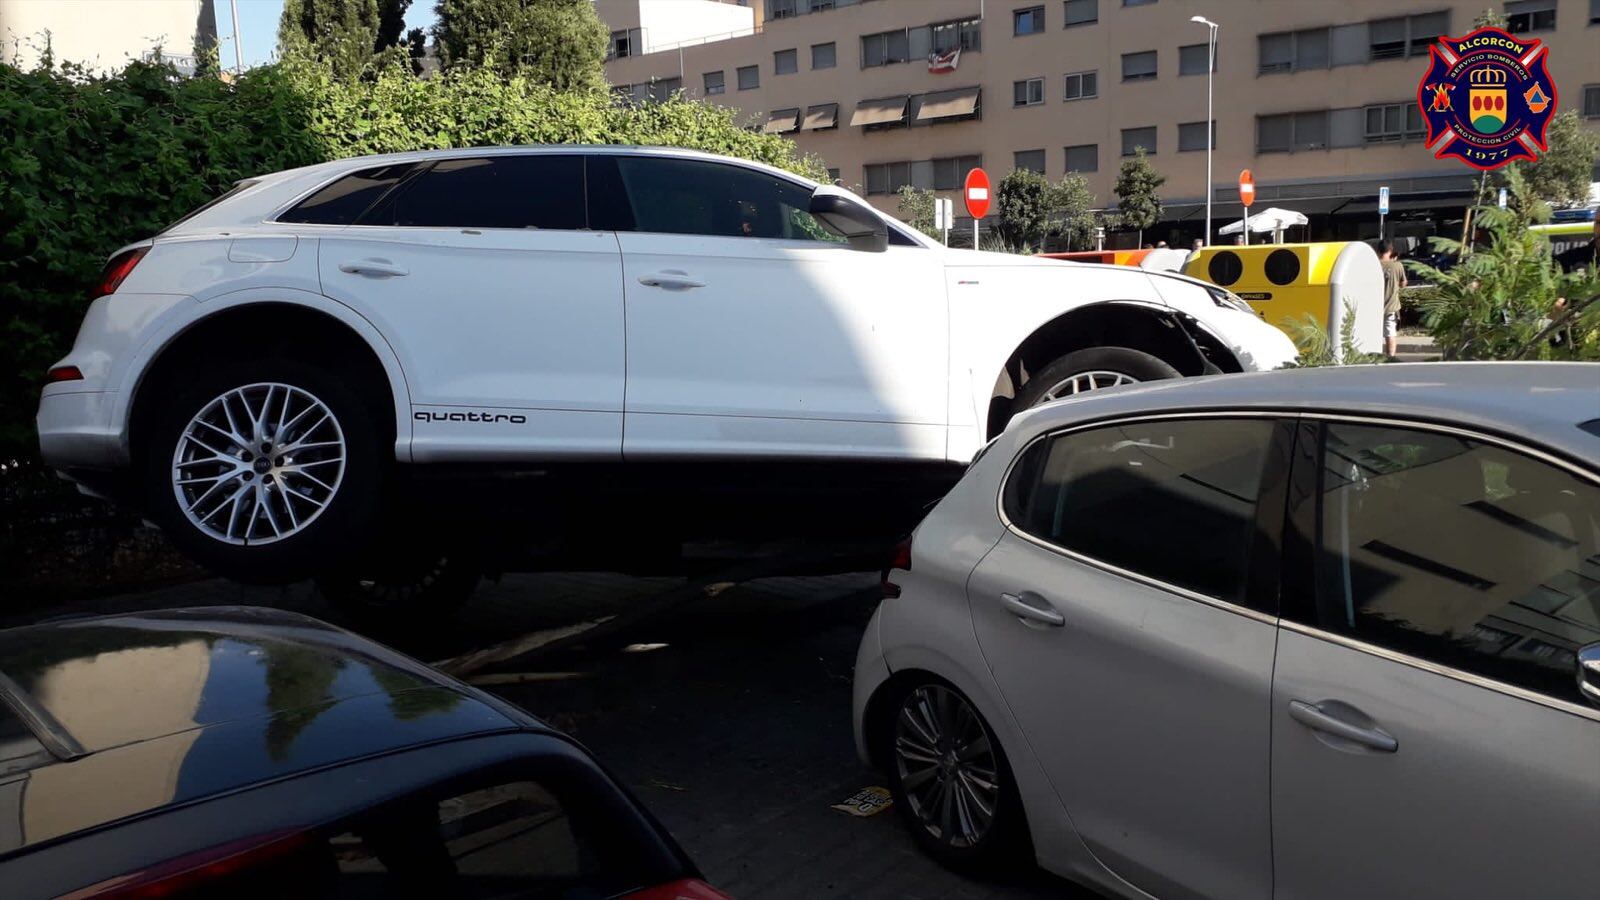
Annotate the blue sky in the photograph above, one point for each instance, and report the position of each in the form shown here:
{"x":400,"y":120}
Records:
{"x":258,"y":27}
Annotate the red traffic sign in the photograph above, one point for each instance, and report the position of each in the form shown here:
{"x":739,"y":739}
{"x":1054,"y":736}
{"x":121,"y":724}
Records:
{"x":1247,"y":188}
{"x":976,"y":191}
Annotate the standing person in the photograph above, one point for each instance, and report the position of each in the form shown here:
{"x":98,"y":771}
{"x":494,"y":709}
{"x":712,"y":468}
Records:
{"x":1394,"y":278}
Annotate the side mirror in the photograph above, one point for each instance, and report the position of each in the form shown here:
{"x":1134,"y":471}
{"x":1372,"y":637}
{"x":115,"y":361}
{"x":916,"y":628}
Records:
{"x":855,"y":221}
{"x":1589,"y":673}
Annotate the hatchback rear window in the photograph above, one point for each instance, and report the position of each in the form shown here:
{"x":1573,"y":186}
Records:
{"x":343,"y":201}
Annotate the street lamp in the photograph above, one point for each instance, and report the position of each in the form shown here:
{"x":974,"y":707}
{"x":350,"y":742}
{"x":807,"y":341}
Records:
{"x":1211,"y":127}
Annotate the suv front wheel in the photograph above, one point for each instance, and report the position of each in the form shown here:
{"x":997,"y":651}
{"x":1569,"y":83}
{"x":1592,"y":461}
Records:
{"x":264,"y":471}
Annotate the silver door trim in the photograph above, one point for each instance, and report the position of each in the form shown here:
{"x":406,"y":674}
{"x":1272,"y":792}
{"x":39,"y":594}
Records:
{"x":1461,"y":675}
{"x":1511,"y":690}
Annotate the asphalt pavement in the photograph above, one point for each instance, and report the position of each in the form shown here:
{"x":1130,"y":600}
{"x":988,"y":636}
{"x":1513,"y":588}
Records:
{"x":729,"y":718}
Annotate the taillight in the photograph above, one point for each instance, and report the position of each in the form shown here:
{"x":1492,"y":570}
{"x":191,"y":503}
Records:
{"x":63,"y":373}
{"x":199,"y":870}
{"x":117,"y":270}
{"x":901,"y":560}
{"x":687,"y":889}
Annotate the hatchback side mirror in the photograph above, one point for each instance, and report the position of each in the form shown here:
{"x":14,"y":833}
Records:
{"x":855,"y":221}
{"x":1589,"y":673}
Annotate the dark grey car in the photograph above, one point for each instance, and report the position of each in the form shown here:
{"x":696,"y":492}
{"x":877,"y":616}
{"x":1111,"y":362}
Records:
{"x":244,"y":752}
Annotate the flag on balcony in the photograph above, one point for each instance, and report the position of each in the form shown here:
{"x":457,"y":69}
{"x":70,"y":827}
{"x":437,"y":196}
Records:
{"x":942,"y":63}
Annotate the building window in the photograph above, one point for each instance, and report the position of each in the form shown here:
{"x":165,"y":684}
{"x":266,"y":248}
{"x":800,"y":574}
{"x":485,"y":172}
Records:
{"x":1524,"y":16}
{"x":1192,"y":136}
{"x":949,"y":172}
{"x":824,"y":56}
{"x":716,"y":83}
{"x":749,"y":77}
{"x":624,"y":43}
{"x":1032,"y":160}
{"x":1291,"y":51}
{"x":1137,"y":2}
{"x":785,"y":62}
{"x":1288,"y":132}
{"x":1594,"y":12}
{"x":1405,"y":35}
{"x":885,"y":48}
{"x":967,"y":34}
{"x":833,"y":176}
{"x":1591,"y":101}
{"x":1027,"y":93}
{"x":1083,"y":158}
{"x":1192,"y":59}
{"x":1135,"y":139}
{"x":782,"y":9}
{"x":662,"y":89}
{"x":1027,"y":21}
{"x":1081,"y":86}
{"x":944,"y":174}
{"x":1391,"y":122}
{"x":1081,"y":12}
{"x":1139,"y":66}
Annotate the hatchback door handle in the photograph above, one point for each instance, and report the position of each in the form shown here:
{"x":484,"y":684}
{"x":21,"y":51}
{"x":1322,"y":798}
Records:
{"x":379,"y":267}
{"x":1031,"y":607}
{"x":671,"y":279}
{"x":1316,"y":718}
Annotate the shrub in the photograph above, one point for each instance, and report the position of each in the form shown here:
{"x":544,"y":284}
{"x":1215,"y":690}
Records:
{"x":89,"y":163}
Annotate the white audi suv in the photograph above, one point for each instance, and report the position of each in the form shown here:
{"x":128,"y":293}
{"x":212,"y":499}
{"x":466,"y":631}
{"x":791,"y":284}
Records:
{"x":256,"y":375}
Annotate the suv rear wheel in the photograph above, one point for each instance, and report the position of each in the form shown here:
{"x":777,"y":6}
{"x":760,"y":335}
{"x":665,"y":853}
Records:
{"x":264,"y":470}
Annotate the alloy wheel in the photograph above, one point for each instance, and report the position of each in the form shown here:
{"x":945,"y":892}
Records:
{"x":1081,"y":382}
{"x":946,"y":763}
{"x":258,"y":464}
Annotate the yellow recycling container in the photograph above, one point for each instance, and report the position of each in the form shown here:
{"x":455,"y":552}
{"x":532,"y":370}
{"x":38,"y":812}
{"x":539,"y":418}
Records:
{"x":1287,"y":282}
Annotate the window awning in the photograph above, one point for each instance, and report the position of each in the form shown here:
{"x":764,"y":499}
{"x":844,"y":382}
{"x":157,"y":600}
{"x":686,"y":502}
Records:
{"x":825,"y":115}
{"x":782,"y":121}
{"x":879,"y":112}
{"x":944,"y":104}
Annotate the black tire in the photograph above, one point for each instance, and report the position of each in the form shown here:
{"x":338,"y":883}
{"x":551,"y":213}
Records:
{"x":341,"y":527}
{"x":1134,"y":364}
{"x":408,"y":587}
{"x":1004,"y":841}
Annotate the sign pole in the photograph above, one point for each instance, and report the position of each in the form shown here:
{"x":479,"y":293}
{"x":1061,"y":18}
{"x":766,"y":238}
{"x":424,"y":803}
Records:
{"x":1247,"y":196}
{"x":1383,"y":210}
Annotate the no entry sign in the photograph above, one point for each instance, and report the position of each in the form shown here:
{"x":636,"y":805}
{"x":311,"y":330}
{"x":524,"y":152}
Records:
{"x":1247,"y":188}
{"x":976,"y":192}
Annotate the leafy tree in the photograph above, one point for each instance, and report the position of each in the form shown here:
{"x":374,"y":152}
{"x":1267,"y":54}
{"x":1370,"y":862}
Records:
{"x":561,"y":43}
{"x":1138,"y":204}
{"x":1508,"y":299}
{"x":391,"y":23}
{"x":1072,"y":211}
{"x":1024,"y":200}
{"x":1318,"y":348}
{"x":339,"y":33}
{"x":1562,"y":174}
{"x":1489,"y":18}
{"x":916,"y":210}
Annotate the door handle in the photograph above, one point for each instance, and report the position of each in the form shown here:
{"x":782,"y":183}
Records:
{"x":671,"y":279}
{"x":1314,"y":717}
{"x":1031,"y":607}
{"x":378,"y":267}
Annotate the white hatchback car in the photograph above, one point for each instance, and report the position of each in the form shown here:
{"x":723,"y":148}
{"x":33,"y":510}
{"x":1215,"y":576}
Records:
{"x":1326,"y":633}
{"x":251,"y":372}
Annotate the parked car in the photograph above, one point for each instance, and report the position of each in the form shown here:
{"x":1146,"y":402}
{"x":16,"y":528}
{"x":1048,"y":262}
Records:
{"x":1319,"y":633}
{"x":236,"y":752}
{"x":250,"y":374}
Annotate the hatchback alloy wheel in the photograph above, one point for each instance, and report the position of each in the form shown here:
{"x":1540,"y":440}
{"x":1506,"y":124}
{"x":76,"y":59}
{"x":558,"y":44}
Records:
{"x":1082,"y":382}
{"x":947,"y":768}
{"x":258,"y":464}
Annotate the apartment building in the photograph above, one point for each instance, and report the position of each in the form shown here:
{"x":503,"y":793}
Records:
{"x":106,"y":34}
{"x":1317,"y":98}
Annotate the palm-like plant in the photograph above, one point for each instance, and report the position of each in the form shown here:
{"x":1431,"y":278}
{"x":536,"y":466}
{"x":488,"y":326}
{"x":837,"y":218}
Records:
{"x":1507,"y":299}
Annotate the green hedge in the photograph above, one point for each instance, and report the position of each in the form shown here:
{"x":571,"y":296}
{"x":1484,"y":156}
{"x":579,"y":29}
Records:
{"x":89,"y":163}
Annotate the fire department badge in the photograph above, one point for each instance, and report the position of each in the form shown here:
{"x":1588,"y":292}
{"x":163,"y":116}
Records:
{"x":1487,"y":98}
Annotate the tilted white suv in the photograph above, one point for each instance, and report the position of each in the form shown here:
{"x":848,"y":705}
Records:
{"x":253,"y":371}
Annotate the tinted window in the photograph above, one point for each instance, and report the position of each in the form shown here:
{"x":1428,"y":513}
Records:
{"x":1170,"y":500}
{"x":534,"y":191}
{"x":343,"y":201}
{"x":684,"y":196}
{"x":1455,"y":551}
